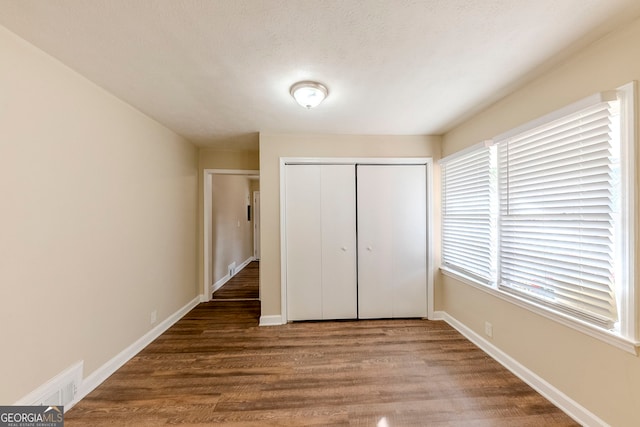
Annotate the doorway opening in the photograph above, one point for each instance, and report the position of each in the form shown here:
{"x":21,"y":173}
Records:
{"x":229,"y":226}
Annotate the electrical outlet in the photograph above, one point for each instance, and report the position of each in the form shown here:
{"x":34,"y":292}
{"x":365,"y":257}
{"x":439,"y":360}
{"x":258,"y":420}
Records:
{"x":488,"y":329}
{"x":154,"y":316}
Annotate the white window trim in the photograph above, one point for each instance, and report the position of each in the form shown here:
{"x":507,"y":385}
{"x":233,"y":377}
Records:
{"x":628,"y":345}
{"x":628,"y":141}
{"x":627,"y":339}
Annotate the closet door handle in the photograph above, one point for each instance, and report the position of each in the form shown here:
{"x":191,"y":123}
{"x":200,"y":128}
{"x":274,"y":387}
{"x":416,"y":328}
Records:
{"x":344,"y":249}
{"x":369,"y":248}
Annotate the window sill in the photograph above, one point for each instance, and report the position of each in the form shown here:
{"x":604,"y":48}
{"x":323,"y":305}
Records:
{"x":609,"y":337}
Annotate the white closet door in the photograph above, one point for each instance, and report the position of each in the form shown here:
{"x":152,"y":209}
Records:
{"x":304,"y":242}
{"x":339,"y":270}
{"x":321,"y":242}
{"x":392,"y":241}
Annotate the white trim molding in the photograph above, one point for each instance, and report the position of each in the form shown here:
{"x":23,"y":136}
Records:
{"x":207,"y":176}
{"x":70,"y":377}
{"x":220,"y":283}
{"x":426,"y":161}
{"x":244,"y":264}
{"x":273,"y":320}
{"x":572,"y":408}
{"x":102,"y":373}
{"x":629,"y":311}
{"x":630,"y":346}
{"x":431,"y":268}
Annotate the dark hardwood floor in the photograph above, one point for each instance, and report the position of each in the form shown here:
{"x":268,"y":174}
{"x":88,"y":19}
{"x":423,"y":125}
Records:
{"x":216,"y":366}
{"x":244,"y":285}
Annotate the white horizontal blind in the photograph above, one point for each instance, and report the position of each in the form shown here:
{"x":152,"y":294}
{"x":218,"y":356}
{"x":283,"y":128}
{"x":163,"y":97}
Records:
{"x":556,"y":230}
{"x":468,"y":225}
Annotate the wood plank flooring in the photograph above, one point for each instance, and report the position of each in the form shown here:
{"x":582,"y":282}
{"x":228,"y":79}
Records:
{"x":216,"y":366}
{"x":244,"y":285}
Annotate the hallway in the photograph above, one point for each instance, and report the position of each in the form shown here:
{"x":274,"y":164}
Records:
{"x":243,"y":286}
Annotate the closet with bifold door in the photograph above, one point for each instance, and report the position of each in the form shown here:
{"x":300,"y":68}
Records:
{"x":355,"y":239}
{"x":321,"y":242}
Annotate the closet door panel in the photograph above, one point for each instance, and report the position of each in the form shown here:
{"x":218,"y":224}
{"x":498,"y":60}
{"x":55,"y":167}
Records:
{"x":304,"y":242}
{"x":410,"y":242}
{"x":375,"y":243}
{"x":392,"y":279}
{"x":338,"y":213}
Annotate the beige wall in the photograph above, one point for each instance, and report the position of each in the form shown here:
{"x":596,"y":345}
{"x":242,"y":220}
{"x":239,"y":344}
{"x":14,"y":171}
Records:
{"x":97,"y":221}
{"x":231,"y":231}
{"x":274,"y":146}
{"x":217,"y":159}
{"x":602,"y":378}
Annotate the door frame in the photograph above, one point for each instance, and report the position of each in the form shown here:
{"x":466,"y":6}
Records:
{"x":256,"y":224}
{"x":207,"y":186}
{"x":426,"y":161}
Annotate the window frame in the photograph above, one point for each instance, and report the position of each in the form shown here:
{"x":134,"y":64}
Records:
{"x":557,"y":234}
{"x":626,"y":338}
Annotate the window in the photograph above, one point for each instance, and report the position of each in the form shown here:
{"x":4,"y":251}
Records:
{"x":468,"y":217}
{"x":557,"y":213}
{"x":545,"y":214}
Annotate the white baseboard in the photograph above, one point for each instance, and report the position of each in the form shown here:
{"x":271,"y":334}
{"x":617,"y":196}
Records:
{"x":102,"y":373}
{"x":220,"y":283}
{"x":572,"y":408}
{"x":438,"y":315}
{"x":273,"y":320}
{"x":217,"y":285}
{"x":59,"y":390}
{"x":244,"y":264}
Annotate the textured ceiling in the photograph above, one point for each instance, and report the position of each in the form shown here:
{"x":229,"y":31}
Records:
{"x":218,"y":71}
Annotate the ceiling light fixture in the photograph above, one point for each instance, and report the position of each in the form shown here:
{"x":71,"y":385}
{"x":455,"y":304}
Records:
{"x":309,"y":94}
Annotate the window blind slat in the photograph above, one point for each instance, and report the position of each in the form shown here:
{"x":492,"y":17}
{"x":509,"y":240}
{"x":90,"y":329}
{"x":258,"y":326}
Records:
{"x":590,"y":140}
{"x":590,"y":114}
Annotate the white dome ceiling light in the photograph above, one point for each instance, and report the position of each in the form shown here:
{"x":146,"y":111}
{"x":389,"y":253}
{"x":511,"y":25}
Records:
{"x":309,"y":94}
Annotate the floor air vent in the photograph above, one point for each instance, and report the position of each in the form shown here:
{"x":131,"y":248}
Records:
{"x":60,"y":390}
